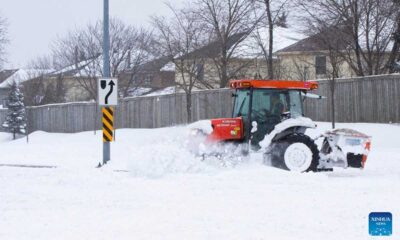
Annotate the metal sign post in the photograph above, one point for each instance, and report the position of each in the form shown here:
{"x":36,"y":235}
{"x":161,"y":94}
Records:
{"x":107,"y":98}
{"x":106,"y":68}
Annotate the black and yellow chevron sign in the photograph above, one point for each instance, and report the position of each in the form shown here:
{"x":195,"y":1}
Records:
{"x":108,"y":124}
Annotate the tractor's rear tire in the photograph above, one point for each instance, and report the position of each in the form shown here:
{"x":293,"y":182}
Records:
{"x":296,"y":152}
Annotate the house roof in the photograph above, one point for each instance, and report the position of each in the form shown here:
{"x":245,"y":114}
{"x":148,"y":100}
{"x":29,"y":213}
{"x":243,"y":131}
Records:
{"x":8,"y":77}
{"x":283,"y":37}
{"x":90,"y":67}
{"x":79,"y":69}
{"x":155,"y":65}
{"x":211,"y":50}
{"x":249,"y":43}
{"x":334,"y":36}
{"x":4,"y":74}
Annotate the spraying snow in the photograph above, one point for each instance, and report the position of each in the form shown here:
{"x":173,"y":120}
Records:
{"x":165,"y":157}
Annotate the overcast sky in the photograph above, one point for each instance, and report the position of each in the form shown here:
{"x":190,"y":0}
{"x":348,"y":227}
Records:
{"x":33,"y":24}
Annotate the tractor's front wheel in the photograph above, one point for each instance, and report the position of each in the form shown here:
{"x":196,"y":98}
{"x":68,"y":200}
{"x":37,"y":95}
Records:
{"x":296,"y":152}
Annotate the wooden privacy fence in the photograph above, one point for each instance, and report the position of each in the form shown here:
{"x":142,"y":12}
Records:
{"x":138,"y":112}
{"x":369,"y":99}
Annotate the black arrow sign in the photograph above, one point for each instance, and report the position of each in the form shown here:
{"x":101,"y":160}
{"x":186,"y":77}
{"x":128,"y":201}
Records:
{"x":112,"y":84}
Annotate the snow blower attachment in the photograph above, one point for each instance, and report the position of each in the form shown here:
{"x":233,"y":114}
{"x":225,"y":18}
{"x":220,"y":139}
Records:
{"x":268,"y":116}
{"x":344,"y":148}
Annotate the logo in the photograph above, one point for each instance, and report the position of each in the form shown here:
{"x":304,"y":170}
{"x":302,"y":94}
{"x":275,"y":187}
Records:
{"x":380,"y":224}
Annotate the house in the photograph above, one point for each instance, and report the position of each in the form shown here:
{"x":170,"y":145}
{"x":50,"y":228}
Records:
{"x":296,"y":56}
{"x":78,"y":82}
{"x":3,"y":97}
{"x":207,"y":72}
{"x":151,"y":76}
{"x":10,"y":76}
{"x":43,"y":86}
{"x":248,"y":60}
{"x":331,"y":52}
{"x":309,"y":57}
{"x":4,"y":85}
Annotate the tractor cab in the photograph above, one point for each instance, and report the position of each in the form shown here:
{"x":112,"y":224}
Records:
{"x":263,"y":104}
{"x":259,"y":105}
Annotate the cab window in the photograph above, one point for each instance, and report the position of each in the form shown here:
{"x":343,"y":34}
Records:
{"x":242,"y":99}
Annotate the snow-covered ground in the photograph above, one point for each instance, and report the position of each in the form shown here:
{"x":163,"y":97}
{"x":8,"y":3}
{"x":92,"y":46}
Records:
{"x":155,"y":189}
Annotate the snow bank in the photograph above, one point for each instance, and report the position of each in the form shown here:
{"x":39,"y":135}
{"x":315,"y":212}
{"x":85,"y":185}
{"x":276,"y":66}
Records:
{"x":5,"y":137}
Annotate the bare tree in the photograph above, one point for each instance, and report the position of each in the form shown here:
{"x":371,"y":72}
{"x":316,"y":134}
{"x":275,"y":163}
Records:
{"x":301,"y":68}
{"x":275,"y":15}
{"x":82,"y":49}
{"x":371,"y":25}
{"x":181,"y":37}
{"x":330,"y":39}
{"x":230,"y":21}
{"x":328,"y":43}
{"x":3,"y":39}
{"x":394,"y":60}
{"x":142,"y":52}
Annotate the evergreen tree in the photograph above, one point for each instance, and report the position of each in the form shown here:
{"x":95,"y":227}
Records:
{"x":16,"y":119}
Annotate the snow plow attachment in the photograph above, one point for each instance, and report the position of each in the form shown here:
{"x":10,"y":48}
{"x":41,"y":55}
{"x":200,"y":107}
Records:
{"x":344,"y":148}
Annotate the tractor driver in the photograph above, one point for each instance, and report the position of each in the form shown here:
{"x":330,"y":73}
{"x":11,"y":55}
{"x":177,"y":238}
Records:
{"x":266,"y":123}
{"x":277,"y":107}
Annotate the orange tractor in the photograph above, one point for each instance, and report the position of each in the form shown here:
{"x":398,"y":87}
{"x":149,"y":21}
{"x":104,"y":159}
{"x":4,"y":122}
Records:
{"x":268,"y":116}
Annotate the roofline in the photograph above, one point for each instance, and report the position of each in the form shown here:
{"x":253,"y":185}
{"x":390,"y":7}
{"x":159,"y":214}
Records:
{"x":301,"y":52}
{"x":278,"y":53}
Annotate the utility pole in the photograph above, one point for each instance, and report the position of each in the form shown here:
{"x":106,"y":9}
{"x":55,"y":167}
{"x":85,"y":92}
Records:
{"x":106,"y":66}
